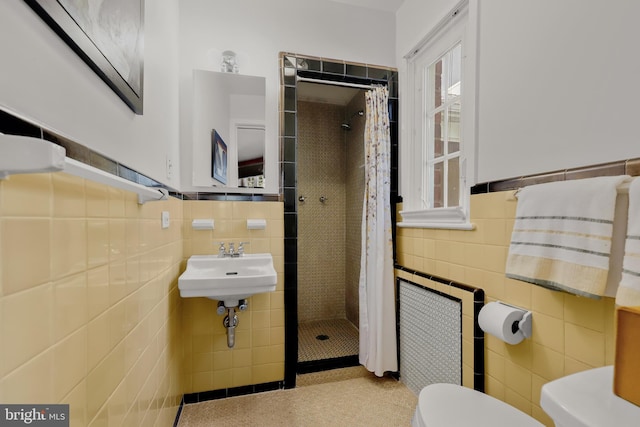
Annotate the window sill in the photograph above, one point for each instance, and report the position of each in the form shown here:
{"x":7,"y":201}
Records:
{"x":443,"y":218}
{"x":441,"y":225}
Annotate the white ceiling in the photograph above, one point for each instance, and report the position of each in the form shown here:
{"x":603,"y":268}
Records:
{"x":386,"y":5}
{"x":325,"y":93}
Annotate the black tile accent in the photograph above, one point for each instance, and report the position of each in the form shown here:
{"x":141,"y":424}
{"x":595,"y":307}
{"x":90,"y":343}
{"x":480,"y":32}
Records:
{"x":289,"y":124}
{"x":126,"y":173}
{"x":332,"y":71}
{"x":378,"y":73}
{"x":480,"y":188}
{"x":327,"y":364}
{"x":289,"y":77}
{"x":290,"y":99}
{"x":333,"y":67}
{"x":507,"y":184}
{"x":608,"y":169}
{"x":478,"y":343}
{"x":288,"y":149}
{"x":276,"y":385}
{"x":176,"y":421}
{"x":73,"y":150}
{"x":290,"y":250}
{"x":204,"y":396}
{"x":356,"y":70}
{"x":309,"y":64}
{"x":393,"y":110}
{"x":289,"y":174}
{"x":12,"y":125}
{"x":393,"y":90}
{"x":103,"y":163}
{"x":290,"y":199}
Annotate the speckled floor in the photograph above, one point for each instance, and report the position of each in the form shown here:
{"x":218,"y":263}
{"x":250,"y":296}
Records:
{"x":338,"y":338}
{"x":343,"y":397}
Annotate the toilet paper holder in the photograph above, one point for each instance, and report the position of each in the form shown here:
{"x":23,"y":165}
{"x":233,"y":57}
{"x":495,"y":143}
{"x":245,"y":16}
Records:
{"x":507,"y":322}
{"x":523,"y":325}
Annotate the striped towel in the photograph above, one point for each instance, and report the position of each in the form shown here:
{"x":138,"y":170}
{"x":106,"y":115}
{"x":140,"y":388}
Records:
{"x":562,"y":235}
{"x":629,"y":290}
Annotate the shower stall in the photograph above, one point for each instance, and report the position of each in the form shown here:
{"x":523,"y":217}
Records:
{"x":330,"y":195}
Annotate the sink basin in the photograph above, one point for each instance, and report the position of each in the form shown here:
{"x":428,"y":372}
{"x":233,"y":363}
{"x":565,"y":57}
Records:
{"x":228,"y":279}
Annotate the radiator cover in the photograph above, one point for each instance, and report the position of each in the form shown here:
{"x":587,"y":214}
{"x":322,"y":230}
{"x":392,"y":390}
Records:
{"x":430,"y":336}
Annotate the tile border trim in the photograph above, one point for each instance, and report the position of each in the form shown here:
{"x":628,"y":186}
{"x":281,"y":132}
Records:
{"x":12,"y":124}
{"x":622,"y":167}
{"x":204,"y":396}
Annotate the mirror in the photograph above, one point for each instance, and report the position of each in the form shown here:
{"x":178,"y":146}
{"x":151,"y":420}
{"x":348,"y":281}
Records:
{"x":228,"y":130}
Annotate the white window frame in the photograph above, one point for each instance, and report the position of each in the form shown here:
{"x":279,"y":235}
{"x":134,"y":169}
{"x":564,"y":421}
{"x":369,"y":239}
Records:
{"x":460,"y":25}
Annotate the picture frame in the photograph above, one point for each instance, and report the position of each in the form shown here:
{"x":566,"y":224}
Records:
{"x":109,"y":41}
{"x":218,"y":158}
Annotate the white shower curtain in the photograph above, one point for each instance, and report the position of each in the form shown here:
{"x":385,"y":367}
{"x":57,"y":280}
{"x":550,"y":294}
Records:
{"x":377,"y":297}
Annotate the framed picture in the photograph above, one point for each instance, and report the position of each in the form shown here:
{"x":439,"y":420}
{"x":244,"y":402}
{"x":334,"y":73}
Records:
{"x":218,"y":158}
{"x":109,"y":38}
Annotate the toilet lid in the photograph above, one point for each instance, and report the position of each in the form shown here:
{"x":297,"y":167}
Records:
{"x":452,"y":405}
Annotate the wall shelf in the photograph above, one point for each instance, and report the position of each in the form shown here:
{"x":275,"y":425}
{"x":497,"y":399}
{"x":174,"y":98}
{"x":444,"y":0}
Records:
{"x":24,"y":154}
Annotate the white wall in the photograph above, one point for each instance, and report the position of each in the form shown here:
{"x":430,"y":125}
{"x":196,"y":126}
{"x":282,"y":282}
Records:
{"x":43,"y":80}
{"x":258,"y":31}
{"x":558,"y":81}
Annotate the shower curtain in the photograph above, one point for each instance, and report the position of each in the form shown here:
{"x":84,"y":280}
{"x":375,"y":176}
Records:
{"x":376,"y":287}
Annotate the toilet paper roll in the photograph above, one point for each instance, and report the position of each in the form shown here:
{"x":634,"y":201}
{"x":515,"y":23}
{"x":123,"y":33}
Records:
{"x":501,"y":321}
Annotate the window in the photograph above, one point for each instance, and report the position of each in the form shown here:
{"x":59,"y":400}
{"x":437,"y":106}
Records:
{"x":442,"y":144}
{"x":440,"y":156}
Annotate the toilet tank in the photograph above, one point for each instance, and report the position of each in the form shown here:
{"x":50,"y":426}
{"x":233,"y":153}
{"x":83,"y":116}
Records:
{"x":586,"y":399}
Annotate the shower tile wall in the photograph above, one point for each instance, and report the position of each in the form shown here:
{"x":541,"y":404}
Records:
{"x":321,"y":226}
{"x":354,"y":198}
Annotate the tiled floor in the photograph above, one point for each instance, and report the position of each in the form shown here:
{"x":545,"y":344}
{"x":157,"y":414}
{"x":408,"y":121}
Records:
{"x":343,"y":397}
{"x":326,"y":339}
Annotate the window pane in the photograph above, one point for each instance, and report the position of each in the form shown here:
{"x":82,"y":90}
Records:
{"x":438,"y":137}
{"x":454,"y":128}
{"x":455,"y":67}
{"x":438,"y":94}
{"x":453,"y":182}
{"x":438,"y":182}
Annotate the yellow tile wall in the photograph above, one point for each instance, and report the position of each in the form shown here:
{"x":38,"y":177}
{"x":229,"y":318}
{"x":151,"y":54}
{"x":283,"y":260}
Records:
{"x":89,"y":306}
{"x":258,"y":354}
{"x":570,"y":334}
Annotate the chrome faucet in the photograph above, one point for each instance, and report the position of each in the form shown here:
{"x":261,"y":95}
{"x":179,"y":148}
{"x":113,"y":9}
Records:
{"x":222,"y":251}
{"x":241,"y":248}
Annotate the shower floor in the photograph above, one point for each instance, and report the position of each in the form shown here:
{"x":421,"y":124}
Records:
{"x":327,"y":339}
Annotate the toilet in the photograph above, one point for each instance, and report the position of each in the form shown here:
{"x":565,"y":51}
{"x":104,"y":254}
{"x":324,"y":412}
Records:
{"x":586,"y":399}
{"x":450,"y":405}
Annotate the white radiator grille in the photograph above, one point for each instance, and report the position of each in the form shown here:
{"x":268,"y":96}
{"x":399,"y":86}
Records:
{"x":430,"y":337}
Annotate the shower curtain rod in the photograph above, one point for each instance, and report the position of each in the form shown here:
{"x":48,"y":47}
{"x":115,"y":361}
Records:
{"x":333,"y":83}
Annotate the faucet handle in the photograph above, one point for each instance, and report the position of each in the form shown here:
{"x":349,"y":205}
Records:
{"x":241,"y":247}
{"x":221,"y":249}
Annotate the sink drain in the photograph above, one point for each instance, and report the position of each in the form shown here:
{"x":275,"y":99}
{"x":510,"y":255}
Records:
{"x":322,"y":337}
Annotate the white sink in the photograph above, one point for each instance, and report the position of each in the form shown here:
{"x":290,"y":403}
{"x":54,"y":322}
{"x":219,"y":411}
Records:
{"x":228,"y":279}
